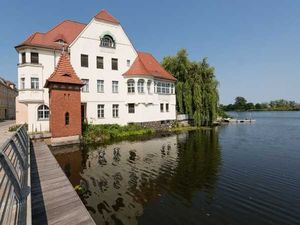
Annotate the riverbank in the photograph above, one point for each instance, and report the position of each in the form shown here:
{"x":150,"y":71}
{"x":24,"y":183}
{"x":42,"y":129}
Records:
{"x":103,"y":133}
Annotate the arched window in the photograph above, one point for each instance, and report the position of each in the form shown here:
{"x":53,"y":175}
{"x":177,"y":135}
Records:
{"x":141,"y":85}
{"x":67,"y":118}
{"x":107,"y":41}
{"x":149,"y":86}
{"x":43,"y":112}
{"x":130,"y":86}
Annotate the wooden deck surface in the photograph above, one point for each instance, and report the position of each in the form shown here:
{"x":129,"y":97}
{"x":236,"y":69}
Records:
{"x":54,"y":200}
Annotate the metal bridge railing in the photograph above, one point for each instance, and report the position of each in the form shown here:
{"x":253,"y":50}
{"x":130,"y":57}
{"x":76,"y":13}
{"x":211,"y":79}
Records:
{"x":15,"y":202}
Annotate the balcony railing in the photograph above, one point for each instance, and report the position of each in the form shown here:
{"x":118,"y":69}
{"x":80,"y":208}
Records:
{"x":31,"y":95}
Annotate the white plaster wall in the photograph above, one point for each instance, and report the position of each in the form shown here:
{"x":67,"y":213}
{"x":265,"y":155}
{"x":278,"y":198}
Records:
{"x":33,"y":98}
{"x":89,"y":43}
{"x":147,"y":106}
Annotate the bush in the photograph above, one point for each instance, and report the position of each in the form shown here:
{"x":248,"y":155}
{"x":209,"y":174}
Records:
{"x":16,"y":127}
{"x":106,"y":132}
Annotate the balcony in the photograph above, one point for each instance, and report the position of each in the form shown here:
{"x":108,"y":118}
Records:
{"x":31,"y":95}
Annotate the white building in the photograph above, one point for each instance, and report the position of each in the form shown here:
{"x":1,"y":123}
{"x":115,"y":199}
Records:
{"x":122,"y":85}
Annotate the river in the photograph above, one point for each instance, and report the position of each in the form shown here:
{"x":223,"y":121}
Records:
{"x":234,"y":174}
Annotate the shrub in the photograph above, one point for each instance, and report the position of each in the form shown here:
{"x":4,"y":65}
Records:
{"x":105,"y":132}
{"x":16,"y":127}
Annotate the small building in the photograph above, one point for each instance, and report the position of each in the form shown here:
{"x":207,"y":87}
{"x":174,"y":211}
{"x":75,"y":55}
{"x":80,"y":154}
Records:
{"x":121,"y":85}
{"x":8,"y":94}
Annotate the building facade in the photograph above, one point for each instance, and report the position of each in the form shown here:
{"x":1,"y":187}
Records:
{"x":8,"y":93}
{"x":121,"y":85}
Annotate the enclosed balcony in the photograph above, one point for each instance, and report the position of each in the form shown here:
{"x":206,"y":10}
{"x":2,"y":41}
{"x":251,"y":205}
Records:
{"x":31,"y":95}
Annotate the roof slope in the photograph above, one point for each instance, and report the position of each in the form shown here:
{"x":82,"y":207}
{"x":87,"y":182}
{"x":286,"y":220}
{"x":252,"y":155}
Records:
{"x":104,"y":15}
{"x":146,"y":65}
{"x":67,"y":31}
{"x":64,"y":72}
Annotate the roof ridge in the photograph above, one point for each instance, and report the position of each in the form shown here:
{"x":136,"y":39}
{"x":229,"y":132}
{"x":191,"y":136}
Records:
{"x":106,"y":16}
{"x":74,"y":21}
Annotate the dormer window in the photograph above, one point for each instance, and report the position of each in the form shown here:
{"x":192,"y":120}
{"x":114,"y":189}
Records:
{"x":60,"y":41}
{"x":107,"y":41}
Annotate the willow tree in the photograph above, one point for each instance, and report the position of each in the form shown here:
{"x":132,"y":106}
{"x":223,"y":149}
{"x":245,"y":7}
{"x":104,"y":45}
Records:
{"x":179,"y":96}
{"x":197,"y":88}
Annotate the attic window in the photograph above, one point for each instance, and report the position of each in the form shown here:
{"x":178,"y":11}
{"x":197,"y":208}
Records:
{"x":107,"y":41}
{"x":60,"y":41}
{"x":66,"y":75}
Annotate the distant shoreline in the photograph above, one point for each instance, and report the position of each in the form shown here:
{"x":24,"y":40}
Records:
{"x":266,"y":110}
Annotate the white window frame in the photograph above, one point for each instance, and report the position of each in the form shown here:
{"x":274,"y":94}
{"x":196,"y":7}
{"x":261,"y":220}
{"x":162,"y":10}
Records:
{"x":100,"y":111}
{"x":130,"y":111}
{"x":140,"y":85}
{"x":22,"y":83}
{"x":34,"y":83}
{"x":100,"y":86}
{"x":43,"y":112}
{"x":115,"y":111}
{"x":85,"y":88}
{"x":115,"y":86}
{"x":131,"y":86}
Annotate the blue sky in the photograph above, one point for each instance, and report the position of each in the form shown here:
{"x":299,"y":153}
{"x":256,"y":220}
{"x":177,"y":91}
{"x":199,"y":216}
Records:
{"x":254,"y":45}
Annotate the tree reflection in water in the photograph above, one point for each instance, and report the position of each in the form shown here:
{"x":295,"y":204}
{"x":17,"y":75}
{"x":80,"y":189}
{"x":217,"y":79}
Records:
{"x":125,"y":179}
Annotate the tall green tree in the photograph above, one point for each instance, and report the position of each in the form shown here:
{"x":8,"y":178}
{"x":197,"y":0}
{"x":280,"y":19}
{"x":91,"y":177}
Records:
{"x":196,"y":89}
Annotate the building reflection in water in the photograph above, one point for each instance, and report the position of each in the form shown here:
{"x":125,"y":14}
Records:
{"x":128,"y":181}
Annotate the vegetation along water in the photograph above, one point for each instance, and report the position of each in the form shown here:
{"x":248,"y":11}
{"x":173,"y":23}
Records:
{"x":234,"y":174}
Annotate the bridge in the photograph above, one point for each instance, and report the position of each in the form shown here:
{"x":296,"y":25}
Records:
{"x":33,"y":187}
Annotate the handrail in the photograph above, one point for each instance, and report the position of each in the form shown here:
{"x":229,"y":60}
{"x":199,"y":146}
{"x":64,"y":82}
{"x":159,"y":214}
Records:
{"x":15,"y":178}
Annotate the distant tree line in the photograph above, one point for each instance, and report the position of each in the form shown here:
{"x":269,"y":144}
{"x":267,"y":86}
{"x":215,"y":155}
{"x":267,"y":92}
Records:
{"x":241,"y":104}
{"x":196,"y":88}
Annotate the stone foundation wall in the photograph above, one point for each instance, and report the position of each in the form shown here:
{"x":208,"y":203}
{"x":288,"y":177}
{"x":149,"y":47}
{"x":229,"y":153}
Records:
{"x":158,"y":125}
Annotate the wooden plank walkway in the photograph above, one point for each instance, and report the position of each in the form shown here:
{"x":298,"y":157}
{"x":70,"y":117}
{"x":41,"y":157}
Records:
{"x":54,"y":200}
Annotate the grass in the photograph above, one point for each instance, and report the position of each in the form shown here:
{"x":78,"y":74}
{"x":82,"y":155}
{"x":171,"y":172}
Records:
{"x":102,"y":133}
{"x":16,"y":127}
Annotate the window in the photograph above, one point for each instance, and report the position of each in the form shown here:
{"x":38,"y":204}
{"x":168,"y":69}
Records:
{"x":100,"y":62}
{"x":115,"y":86}
{"x":167,"y":107}
{"x":172,"y":88}
{"x":100,"y":111}
{"x":149,"y":86}
{"x":131,"y":108}
{"x":161,"y":107}
{"x":130,"y":86}
{"x":84,"y":60}
{"x":34,"y":57}
{"x":107,"y":41}
{"x":163,"y":88}
{"x":22,"y":83}
{"x":100,"y":86}
{"x":43,"y":112}
{"x":114,"y":64}
{"x":141,"y":86}
{"x":128,"y":62}
{"x":23,"y":57}
{"x":85,"y":88}
{"x":67,"y":118}
{"x":115,"y":111}
{"x":34,"y":83}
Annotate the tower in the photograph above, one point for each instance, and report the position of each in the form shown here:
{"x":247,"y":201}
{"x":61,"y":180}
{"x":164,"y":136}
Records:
{"x":64,"y":101}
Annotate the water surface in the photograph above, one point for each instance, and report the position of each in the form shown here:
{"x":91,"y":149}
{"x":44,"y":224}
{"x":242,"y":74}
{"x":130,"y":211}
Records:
{"x":235,"y":174}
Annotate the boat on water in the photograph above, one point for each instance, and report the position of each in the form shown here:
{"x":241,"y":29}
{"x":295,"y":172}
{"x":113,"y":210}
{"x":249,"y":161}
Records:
{"x":231,"y":120}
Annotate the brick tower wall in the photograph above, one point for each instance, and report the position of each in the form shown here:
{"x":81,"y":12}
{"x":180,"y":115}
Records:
{"x":60,"y":102}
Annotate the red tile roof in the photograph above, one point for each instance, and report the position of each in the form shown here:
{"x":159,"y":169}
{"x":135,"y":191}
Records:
{"x":64,"y":72}
{"x":104,"y":15}
{"x":66,"y":31}
{"x":146,"y":65}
